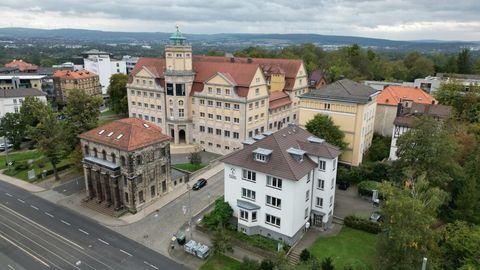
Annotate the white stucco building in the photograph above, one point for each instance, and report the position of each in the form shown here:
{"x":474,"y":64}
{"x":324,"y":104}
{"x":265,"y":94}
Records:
{"x":12,"y":99}
{"x":100,"y":63}
{"x":278,"y":183}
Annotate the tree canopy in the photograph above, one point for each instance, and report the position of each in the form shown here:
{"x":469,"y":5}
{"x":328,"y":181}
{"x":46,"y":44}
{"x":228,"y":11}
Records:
{"x":117,"y":92}
{"x":323,"y":127}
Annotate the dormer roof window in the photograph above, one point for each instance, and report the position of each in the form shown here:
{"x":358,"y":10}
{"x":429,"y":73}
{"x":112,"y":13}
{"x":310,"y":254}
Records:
{"x":314,"y":139}
{"x":262,"y":154}
{"x":296,"y":153}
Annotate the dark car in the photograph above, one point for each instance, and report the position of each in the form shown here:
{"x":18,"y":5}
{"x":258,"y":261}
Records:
{"x":343,"y":185}
{"x":199,"y":184}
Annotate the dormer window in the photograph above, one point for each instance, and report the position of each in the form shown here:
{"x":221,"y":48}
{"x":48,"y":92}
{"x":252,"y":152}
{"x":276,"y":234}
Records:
{"x":296,"y":154}
{"x":262,"y":154}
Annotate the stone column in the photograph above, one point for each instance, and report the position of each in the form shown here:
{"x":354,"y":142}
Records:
{"x":133,"y":190}
{"x":96,"y":184}
{"x":114,"y":191}
{"x":103,"y":178}
{"x":89,"y":182}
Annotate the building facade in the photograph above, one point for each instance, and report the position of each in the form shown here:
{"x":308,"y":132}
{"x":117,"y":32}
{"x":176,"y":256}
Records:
{"x":352,"y":107}
{"x":11,"y":100}
{"x":407,"y":113}
{"x":278,"y":183}
{"x":126,"y":164}
{"x":21,"y":80}
{"x":65,"y":81}
{"x":100,"y":63}
{"x":214,"y":102}
{"x":387,"y":105}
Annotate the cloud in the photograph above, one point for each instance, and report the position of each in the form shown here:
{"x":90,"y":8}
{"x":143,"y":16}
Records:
{"x":394,"y":19}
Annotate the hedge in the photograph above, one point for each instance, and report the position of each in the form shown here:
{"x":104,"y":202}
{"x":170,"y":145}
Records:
{"x":365,"y":188}
{"x":362,"y":224}
{"x":50,"y":172}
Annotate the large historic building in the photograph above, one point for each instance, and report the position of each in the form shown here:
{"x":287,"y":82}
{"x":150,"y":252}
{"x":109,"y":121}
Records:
{"x":278,"y":183}
{"x":126,"y":164}
{"x":65,"y":81}
{"x":352,"y":107}
{"x":214,"y":102}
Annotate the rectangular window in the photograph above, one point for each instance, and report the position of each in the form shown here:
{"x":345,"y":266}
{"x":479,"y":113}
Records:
{"x":331,"y":201}
{"x":159,"y":120}
{"x":202,"y":114}
{"x":333,"y":183}
{"x":254,"y":216}
{"x":219,"y":117}
{"x":307,"y":195}
{"x":227,"y":92}
{"x":257,"y":91}
{"x":274,"y":202}
{"x":309,"y":176}
{"x":306,"y":213}
{"x":322,"y":165}
{"x":210,"y":103}
{"x":236,"y":135}
{"x":274,"y":182}
{"x":218,"y":131}
{"x":256,"y":105}
{"x":227,"y":118}
{"x":219,"y":91}
{"x":210,"y":115}
{"x":272,"y":220}
{"x":263,"y":103}
{"x":152,"y":106}
{"x":227,"y":105}
{"x":320,"y":184}
{"x":219,"y":104}
{"x":159,"y":107}
{"x":202,"y":102}
{"x":236,"y":120}
{"x":236,"y":107}
{"x":243,"y":215}
{"x":326,"y":106}
{"x":248,"y":194}
{"x":226,"y":133}
{"x":210,"y":90}
{"x":202,"y":128}
{"x":210,"y":130}
{"x":181,"y":113}
{"x":319,"y":202}
{"x":334,"y":164}
{"x":250,"y":106}
{"x":249,"y":175}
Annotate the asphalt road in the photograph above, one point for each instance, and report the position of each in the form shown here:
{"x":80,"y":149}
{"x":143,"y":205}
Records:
{"x":37,"y":234}
{"x":71,"y":186}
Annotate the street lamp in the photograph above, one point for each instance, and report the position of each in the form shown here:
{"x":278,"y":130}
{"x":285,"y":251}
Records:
{"x":189,"y":211}
{"x":424,"y":263}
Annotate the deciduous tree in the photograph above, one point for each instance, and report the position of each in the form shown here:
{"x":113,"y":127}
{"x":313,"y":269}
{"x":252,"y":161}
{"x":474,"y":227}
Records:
{"x":13,"y":128}
{"x":117,"y":91}
{"x":32,"y":110}
{"x":323,"y":127}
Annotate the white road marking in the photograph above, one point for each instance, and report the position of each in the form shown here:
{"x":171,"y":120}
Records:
{"x":34,"y":207}
{"x":64,"y":222}
{"x":151,"y":265}
{"x":30,"y":254}
{"x":11,"y":267}
{"x":106,"y":243}
{"x":123,"y":251}
{"x":83,"y":231}
{"x":20,"y":200}
{"x":8,"y":194}
{"x":48,"y":214}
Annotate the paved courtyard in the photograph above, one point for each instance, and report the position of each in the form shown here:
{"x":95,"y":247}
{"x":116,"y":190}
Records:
{"x":348,"y":202}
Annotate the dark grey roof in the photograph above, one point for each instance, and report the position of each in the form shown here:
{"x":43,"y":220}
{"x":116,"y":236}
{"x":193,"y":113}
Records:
{"x":408,"y":116}
{"x":281,"y":163}
{"x":247,"y":205}
{"x":21,"y":92}
{"x":343,"y":90}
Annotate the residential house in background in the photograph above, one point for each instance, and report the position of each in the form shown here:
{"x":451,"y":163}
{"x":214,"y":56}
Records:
{"x":351,"y":106}
{"x":11,"y":100}
{"x":317,"y":79}
{"x":408,"y":112}
{"x":22,"y":80}
{"x":101,"y":63}
{"x":65,"y":81}
{"x":431,"y":84}
{"x":387,"y":105}
{"x":278,"y":183}
{"x":214,"y":103}
{"x":380,"y":85}
{"x":126,"y":164}
{"x":22,"y":66}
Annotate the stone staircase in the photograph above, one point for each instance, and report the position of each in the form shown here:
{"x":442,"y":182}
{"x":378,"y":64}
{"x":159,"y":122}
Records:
{"x":293,"y":258}
{"x":102,"y":208}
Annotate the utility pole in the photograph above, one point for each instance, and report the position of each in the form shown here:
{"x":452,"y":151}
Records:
{"x":6,"y":152}
{"x":189,"y":210}
{"x":424,"y":263}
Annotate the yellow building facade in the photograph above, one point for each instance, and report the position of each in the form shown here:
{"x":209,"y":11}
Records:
{"x":352,"y":107}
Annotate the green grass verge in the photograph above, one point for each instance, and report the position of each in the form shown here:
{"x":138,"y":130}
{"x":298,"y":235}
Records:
{"x":189,"y":167}
{"x":349,"y":248}
{"x":220,"y":262}
{"x":19,"y":156}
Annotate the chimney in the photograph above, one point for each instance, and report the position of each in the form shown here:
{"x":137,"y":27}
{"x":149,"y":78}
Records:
{"x":249,"y":60}
{"x":232,"y":59}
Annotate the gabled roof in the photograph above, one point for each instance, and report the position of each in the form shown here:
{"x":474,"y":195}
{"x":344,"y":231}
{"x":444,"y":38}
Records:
{"x":73,"y":74}
{"x":156,"y":66}
{"x":343,"y":90}
{"x":21,"y":92}
{"x":127,"y":134}
{"x":281,"y":163}
{"x":317,"y":75}
{"x":392,"y":95}
{"x":21,"y":65}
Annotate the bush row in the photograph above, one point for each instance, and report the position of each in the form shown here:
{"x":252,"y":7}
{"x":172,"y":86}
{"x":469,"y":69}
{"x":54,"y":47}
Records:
{"x":362,"y":224}
{"x":50,"y":172}
{"x":365,"y":188}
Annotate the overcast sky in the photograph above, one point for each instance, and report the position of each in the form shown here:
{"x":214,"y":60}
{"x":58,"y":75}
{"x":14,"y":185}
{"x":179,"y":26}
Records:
{"x":390,"y":19}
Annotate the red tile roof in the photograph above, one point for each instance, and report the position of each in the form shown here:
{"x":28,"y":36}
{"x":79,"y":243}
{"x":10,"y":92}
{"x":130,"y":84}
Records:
{"x":73,"y":74}
{"x":278,"y":99}
{"x":392,"y":95}
{"x":127,"y":134}
{"x":21,"y":65}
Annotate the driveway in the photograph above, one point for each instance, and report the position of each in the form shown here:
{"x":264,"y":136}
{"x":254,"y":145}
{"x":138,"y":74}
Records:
{"x":156,"y":230}
{"x":348,"y":202}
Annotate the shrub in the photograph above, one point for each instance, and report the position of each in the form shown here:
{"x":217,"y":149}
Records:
{"x":221,"y":214}
{"x":362,"y":224}
{"x":305,"y":255}
{"x":21,"y":165}
{"x":365,"y":188}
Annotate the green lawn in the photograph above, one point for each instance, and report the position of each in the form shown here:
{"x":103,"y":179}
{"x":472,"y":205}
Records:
{"x":19,"y":156}
{"x":220,"y":262}
{"x":189,"y":167}
{"x":349,"y":248}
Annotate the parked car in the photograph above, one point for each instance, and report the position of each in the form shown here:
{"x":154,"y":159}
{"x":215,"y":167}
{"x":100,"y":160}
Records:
{"x":376,"y":216}
{"x":199,"y":184}
{"x":2,"y":146}
{"x":343,"y":185}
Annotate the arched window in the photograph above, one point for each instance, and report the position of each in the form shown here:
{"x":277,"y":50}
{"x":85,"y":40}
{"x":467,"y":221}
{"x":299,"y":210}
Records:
{"x":114,"y":158}
{"x":122,"y":160}
{"x":104,"y":155}
{"x":95,"y":152}
{"x":180,"y":103}
{"x":86,"y":150}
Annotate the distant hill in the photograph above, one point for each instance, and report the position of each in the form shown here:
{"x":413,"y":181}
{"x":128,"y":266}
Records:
{"x":231,"y":39}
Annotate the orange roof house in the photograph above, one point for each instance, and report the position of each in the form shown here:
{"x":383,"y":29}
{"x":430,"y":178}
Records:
{"x":22,"y":66}
{"x":388,"y":100}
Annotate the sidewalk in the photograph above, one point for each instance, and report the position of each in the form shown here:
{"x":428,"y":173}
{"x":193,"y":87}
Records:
{"x":20,"y":183}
